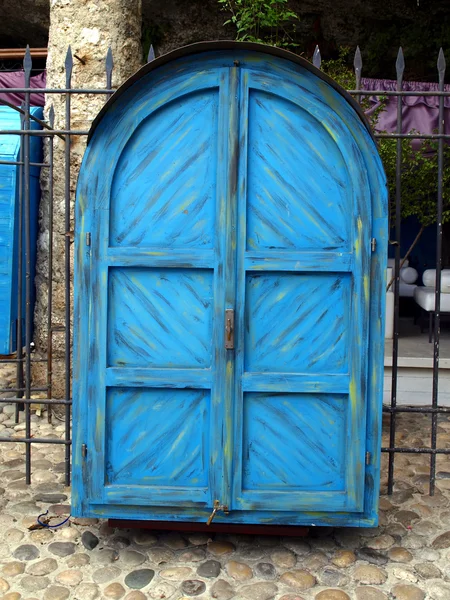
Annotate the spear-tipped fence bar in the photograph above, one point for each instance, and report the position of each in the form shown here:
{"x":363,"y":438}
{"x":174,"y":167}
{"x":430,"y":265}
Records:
{"x":23,"y":359}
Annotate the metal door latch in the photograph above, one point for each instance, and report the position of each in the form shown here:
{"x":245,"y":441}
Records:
{"x":229,"y":329}
{"x":217,"y":507}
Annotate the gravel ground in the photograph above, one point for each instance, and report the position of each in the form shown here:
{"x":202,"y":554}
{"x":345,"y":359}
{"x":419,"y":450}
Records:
{"x":405,"y":558}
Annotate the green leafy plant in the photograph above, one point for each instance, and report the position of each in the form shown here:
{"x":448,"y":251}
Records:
{"x":263,"y":21}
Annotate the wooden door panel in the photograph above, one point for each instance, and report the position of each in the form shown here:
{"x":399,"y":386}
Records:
{"x":147,"y":447}
{"x":297,"y":176}
{"x":160,"y":318}
{"x":163,"y":193}
{"x":295,"y":322}
{"x":293,"y":442}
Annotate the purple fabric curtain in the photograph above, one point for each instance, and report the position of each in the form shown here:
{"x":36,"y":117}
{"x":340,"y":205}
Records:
{"x":419,"y":113}
{"x":16,"y":79}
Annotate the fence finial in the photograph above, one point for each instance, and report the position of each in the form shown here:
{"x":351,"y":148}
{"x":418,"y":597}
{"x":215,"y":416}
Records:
{"x":317,"y":59}
{"x":441,"y":65}
{"x":68,"y":64}
{"x":151,"y":54}
{"x":400,"y":66}
{"x":109,"y":65}
{"x":27,"y":64}
{"x":51,"y":116}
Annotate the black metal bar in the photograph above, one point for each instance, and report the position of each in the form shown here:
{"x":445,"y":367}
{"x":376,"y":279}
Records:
{"x":29,"y":441}
{"x":413,"y":136}
{"x":437,"y":306}
{"x":400,"y":67}
{"x":417,"y":409}
{"x":432,"y":451}
{"x":50,"y":270}
{"x":17,"y":360}
{"x":18,"y":163}
{"x":46,"y":133}
{"x":58,"y":91}
{"x":68,"y":67}
{"x":27,"y":64}
{"x":402,"y":93}
{"x":33,"y":401}
{"x":357,"y":64}
{"x":36,"y":389}
{"x":59,"y":132}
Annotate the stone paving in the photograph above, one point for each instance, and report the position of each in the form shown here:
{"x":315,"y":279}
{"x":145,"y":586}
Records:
{"x":405,"y":558}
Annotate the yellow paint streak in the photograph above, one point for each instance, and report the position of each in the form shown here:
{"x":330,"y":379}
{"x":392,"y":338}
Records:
{"x":353,"y":398}
{"x":189,"y":199}
{"x":98,"y":425}
{"x":330,"y":131}
{"x":280,"y":296}
{"x":228,"y":449}
{"x":359,"y":226}
{"x":178,"y":440}
{"x":366,"y":288}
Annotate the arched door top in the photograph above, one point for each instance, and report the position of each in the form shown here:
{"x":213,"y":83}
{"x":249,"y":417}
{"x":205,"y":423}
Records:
{"x":221,"y":45}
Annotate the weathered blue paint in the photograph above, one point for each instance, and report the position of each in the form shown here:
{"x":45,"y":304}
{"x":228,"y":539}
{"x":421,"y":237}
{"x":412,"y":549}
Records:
{"x":229,"y":179}
{"x":9,"y":224}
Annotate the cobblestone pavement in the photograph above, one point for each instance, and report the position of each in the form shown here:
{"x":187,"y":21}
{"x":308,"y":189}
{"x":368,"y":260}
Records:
{"x":405,"y":558}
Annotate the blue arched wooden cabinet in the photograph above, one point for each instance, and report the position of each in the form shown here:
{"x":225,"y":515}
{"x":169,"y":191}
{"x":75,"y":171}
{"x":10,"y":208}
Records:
{"x":230,"y":268}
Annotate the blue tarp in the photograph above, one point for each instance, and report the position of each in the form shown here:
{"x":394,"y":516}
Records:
{"x":9,"y":224}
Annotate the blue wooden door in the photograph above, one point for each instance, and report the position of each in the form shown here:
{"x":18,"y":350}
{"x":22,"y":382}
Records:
{"x":302,"y":304}
{"x":156,"y":295}
{"x":226,"y":183}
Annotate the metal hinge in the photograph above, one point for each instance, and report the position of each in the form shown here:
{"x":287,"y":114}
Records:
{"x":83,"y":450}
{"x":368,"y":458}
{"x":374,"y":244}
{"x":88,"y":239}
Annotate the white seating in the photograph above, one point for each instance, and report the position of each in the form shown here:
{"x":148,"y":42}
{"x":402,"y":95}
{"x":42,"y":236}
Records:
{"x":408,"y":278}
{"x":429,"y":279}
{"x":426,"y":296}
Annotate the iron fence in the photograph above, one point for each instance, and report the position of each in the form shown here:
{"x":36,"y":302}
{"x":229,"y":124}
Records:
{"x":24,"y":357}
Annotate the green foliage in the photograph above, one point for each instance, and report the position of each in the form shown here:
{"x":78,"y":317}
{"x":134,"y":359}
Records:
{"x":339,"y":69}
{"x":419,"y":179}
{"x":263,"y":21}
{"x":419,"y":167}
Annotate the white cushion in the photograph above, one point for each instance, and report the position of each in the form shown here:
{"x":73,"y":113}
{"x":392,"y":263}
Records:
{"x":391,"y":263}
{"x":429,"y":279}
{"x":424,"y":296}
{"x":408,"y":275}
{"x":406,"y":289}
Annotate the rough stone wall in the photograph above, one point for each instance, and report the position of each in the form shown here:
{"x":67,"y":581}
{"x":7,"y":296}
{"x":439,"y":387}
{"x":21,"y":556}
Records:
{"x":89,"y":28}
